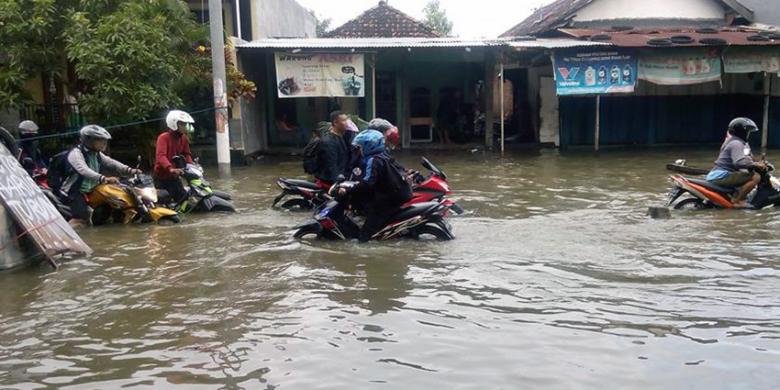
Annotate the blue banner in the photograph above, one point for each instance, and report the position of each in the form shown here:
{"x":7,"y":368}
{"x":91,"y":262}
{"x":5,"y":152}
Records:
{"x":594,"y":72}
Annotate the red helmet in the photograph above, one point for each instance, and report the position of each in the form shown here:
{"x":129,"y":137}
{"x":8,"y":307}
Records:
{"x":392,"y":136}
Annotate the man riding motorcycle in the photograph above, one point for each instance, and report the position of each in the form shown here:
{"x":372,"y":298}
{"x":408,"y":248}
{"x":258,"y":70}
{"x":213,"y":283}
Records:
{"x":735,"y":166}
{"x":382,"y":187}
{"x":173,"y":142}
{"x":87,"y":186}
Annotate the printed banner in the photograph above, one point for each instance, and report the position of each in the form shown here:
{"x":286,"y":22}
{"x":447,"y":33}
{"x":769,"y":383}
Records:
{"x":320,"y":75}
{"x":582,"y":73}
{"x":680,"y":67}
{"x":751,"y":60}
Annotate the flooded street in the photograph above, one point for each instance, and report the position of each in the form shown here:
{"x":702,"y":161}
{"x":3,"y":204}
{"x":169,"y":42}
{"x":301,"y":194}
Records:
{"x":556,"y":279}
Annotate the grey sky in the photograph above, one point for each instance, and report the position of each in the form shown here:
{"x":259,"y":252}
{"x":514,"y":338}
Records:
{"x":472,"y":19}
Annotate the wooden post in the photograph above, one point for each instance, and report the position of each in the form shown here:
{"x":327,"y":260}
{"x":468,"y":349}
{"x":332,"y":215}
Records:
{"x":490,"y":78}
{"x":501,"y":92}
{"x":767,"y":97}
{"x":598,"y":123}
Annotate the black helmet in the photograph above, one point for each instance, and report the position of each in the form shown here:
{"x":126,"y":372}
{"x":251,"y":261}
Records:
{"x":742,"y":127}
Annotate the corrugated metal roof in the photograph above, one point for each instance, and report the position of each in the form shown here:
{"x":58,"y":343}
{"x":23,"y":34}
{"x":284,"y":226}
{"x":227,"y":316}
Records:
{"x":381,"y":43}
{"x":553,"y":43}
{"x":642,"y":37}
{"x":364,"y":43}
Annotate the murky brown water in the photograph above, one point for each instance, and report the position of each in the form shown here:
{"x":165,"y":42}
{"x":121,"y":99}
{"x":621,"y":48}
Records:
{"x":556,"y":280}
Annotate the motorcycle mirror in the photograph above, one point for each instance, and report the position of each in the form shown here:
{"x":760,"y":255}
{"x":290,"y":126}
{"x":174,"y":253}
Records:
{"x":138,"y":162}
{"x":340,"y":178}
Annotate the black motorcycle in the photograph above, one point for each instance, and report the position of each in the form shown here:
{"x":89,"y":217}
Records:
{"x":200,"y":195}
{"x":417,"y":221}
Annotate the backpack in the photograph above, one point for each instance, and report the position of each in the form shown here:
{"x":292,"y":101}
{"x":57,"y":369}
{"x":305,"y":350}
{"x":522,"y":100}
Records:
{"x":59,"y":170}
{"x":311,"y":156}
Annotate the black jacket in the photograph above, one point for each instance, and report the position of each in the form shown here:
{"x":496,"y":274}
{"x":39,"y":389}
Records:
{"x":334,"y":157}
{"x":383,"y":185}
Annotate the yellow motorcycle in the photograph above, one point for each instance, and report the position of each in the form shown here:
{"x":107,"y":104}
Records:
{"x":132,"y":200}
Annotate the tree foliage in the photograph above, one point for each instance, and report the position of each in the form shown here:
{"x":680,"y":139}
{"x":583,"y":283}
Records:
{"x":323,"y":25}
{"x":436,"y":18}
{"x":131,"y":58}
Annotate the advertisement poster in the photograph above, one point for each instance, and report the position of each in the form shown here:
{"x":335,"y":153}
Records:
{"x":680,"y":67}
{"x":599,"y":72}
{"x":751,"y":60}
{"x":320,"y":75}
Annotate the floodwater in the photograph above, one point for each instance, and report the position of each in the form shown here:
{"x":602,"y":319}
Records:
{"x":557,"y":279}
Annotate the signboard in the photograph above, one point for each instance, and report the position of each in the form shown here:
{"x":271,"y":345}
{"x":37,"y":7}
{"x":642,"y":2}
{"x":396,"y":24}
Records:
{"x":751,"y":60}
{"x":320,"y":75}
{"x":33,"y":211}
{"x":680,"y":67}
{"x":599,"y":72}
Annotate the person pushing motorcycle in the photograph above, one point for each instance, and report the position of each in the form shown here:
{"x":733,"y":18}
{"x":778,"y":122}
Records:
{"x":382,"y":186}
{"x":735,"y":166}
{"x":87,"y":187}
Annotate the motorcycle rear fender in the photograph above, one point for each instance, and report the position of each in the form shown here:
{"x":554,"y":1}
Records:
{"x":215,"y":203}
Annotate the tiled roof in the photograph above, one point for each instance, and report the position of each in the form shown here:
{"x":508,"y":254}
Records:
{"x":560,"y":12}
{"x":383,"y":21}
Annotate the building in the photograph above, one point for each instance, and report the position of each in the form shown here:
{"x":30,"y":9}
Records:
{"x":691,"y":66}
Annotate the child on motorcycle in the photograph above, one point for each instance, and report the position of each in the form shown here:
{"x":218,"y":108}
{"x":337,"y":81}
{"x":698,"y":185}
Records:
{"x":87,"y":188}
{"x":382,"y":186}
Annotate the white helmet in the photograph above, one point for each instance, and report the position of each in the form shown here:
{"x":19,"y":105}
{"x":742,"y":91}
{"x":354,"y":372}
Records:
{"x":175,"y":116}
{"x":28,"y":128}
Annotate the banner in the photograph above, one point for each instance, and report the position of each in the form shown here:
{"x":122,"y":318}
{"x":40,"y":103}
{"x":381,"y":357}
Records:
{"x":751,"y":60}
{"x":320,"y":75}
{"x":680,"y":66}
{"x":582,"y":73}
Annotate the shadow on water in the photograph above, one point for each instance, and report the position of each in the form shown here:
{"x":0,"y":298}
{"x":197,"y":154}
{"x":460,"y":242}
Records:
{"x":556,"y":279}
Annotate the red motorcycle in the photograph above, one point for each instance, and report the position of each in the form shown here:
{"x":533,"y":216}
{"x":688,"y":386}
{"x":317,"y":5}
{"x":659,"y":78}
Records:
{"x":308,"y":195}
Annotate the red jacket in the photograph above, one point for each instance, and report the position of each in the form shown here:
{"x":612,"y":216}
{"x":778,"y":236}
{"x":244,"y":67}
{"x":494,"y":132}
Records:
{"x":169,"y":144}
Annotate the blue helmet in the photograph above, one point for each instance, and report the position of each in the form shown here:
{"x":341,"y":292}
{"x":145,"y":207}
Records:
{"x":371,"y":142}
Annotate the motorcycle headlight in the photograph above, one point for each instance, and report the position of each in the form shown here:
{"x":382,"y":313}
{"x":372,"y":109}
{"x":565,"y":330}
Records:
{"x":148,"y":193}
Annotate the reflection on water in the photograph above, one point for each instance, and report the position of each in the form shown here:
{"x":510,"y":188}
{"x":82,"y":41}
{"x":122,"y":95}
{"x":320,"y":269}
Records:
{"x":557,"y":279}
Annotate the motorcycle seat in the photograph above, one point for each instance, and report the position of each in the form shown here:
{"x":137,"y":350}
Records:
{"x":414,"y":210}
{"x":711,"y":186}
{"x":301,"y":183}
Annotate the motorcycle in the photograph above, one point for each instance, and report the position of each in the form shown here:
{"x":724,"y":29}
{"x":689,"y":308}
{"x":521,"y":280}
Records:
{"x":200,"y":195}
{"x":413,"y":221}
{"x":706,"y":195}
{"x":308,"y":195}
{"x":132,"y":200}
{"x":40,"y":177}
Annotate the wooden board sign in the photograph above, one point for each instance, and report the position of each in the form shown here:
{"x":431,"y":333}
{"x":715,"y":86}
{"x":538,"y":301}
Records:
{"x":33,"y":211}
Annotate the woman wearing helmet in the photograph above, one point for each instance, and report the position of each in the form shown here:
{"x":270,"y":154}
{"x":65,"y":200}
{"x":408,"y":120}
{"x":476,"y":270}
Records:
{"x":382,"y":186}
{"x":735,"y":164}
{"x":174,"y":141}
{"x":91,"y":168}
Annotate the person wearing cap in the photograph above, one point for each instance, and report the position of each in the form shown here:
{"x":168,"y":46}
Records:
{"x":174,"y":141}
{"x":28,"y":147}
{"x":91,"y":168}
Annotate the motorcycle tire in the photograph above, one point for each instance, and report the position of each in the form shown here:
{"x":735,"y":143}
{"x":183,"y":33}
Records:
{"x":297,"y":205}
{"x":690,"y":204}
{"x":307,"y":230}
{"x":173,"y":219}
{"x":425,"y":231}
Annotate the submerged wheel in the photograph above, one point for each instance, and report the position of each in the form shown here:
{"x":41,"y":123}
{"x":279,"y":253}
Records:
{"x":297,"y":205}
{"x":690,"y":204}
{"x":306,"y":231}
{"x":428,"y":232}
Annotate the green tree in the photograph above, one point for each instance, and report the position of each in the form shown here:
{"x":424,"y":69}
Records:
{"x":131,"y":59}
{"x":323,"y":25}
{"x":436,"y":18}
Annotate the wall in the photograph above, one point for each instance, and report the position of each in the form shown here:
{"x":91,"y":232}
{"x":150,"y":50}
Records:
{"x":281,"y":19}
{"x":656,"y":9}
{"x":765,"y":11}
